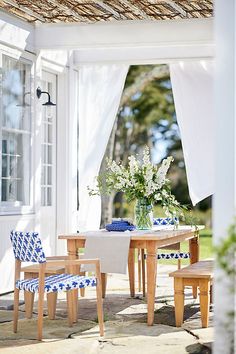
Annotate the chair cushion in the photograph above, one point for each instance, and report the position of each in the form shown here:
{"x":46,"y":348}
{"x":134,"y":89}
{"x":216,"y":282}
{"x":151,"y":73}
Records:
{"x":177,"y":255}
{"x":27,"y":246}
{"x":58,"y":282}
{"x":165,"y":221}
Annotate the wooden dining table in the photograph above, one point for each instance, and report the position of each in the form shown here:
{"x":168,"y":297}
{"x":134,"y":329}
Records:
{"x":150,"y":241}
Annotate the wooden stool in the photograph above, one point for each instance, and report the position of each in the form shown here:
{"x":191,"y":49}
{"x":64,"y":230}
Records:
{"x":197,"y":274}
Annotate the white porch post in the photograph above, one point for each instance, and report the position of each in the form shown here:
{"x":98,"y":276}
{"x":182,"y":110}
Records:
{"x":225,"y":163}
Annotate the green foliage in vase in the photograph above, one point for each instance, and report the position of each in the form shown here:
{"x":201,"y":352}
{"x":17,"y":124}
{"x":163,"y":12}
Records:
{"x":140,"y":180}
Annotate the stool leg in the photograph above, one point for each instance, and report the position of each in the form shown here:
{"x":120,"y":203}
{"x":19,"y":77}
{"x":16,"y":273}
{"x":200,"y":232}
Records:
{"x":179,"y":301}
{"x":143,"y":272}
{"x":204,"y":285}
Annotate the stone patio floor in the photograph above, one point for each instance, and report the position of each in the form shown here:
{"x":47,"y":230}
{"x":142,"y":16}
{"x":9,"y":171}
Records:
{"x":125,"y":324}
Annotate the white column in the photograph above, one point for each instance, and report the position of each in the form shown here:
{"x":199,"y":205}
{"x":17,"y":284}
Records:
{"x":225,"y":163}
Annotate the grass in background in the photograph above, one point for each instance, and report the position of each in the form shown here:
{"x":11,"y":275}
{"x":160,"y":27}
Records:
{"x":206,"y":248}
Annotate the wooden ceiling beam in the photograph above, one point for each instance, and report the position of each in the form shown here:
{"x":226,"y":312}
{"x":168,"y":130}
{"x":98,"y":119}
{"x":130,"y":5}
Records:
{"x":173,"y":4}
{"x":66,"y":9}
{"x":136,"y":9}
{"x":25,"y":10}
{"x":176,"y":7}
{"x":110,"y":9}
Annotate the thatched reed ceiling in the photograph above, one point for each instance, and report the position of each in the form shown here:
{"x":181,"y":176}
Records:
{"x":91,"y":11}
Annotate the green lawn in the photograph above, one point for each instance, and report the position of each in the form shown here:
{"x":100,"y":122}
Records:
{"x":206,"y":249}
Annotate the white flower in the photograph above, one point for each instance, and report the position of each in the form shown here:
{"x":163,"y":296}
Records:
{"x":133,"y":165}
{"x":146,"y":156}
{"x":162,"y":171}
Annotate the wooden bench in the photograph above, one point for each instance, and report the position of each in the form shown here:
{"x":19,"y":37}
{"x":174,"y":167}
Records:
{"x":197,"y":274}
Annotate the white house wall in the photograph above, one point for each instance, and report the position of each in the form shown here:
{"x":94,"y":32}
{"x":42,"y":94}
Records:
{"x":17,"y":39}
{"x":16,"y":33}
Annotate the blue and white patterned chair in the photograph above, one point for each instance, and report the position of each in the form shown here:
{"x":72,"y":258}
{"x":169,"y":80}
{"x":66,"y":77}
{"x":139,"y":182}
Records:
{"x":27,"y":247}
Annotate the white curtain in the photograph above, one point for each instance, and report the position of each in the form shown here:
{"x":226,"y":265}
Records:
{"x":192,"y":84}
{"x":100,"y":90}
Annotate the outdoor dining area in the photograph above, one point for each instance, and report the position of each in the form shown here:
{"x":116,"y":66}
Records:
{"x":117,"y":296}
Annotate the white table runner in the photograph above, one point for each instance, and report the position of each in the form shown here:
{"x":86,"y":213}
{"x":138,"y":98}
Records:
{"x":111,"y":249}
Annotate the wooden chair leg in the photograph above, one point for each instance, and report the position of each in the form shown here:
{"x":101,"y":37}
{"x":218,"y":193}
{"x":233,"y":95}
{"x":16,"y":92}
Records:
{"x":52,"y":302}
{"x":179,"y":263}
{"x":70,"y":300}
{"x":16,"y":309}
{"x":204,"y":286}
{"x":28,"y":296}
{"x":99,"y":307}
{"x":75,"y":293}
{"x":40,"y":315}
{"x":143,"y":272}
{"x":139,"y":269}
{"x":29,"y":302}
{"x":179,"y":301}
{"x":104,"y":284}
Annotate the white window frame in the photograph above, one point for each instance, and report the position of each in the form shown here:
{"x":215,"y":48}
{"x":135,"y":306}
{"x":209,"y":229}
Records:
{"x":15,"y":208}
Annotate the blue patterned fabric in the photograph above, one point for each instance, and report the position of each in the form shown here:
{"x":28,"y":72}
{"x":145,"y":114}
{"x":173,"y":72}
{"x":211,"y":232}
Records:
{"x":165,"y":221}
{"x":27,"y":246}
{"x":120,"y":225}
{"x":177,"y":255}
{"x":57,"y":282}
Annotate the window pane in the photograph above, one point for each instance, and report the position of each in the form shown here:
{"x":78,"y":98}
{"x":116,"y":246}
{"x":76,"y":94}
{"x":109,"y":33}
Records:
{"x":4,"y":190}
{"x":49,"y":182}
{"x":13,"y":167}
{"x":4,"y":146}
{"x":16,"y":97}
{"x":12,"y":190}
{"x":43,"y":199}
{"x":49,"y":196}
{"x":49,"y":133}
{"x":4,"y":166}
{"x":16,"y":109}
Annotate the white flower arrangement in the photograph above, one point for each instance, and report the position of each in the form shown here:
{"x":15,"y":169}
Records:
{"x":140,"y":180}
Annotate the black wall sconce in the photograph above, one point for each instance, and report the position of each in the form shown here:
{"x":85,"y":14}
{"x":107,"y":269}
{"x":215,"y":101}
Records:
{"x":39,"y":92}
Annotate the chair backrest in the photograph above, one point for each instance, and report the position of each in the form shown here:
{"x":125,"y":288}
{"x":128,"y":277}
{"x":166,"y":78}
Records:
{"x":27,"y":246}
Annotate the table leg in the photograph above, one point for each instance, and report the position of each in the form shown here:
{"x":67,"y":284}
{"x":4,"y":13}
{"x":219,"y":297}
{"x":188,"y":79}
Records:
{"x":139,"y":269}
{"x":131,"y":268}
{"x":151,"y":280}
{"x":194,"y":252}
{"x":73,"y":295}
{"x":143,"y":272}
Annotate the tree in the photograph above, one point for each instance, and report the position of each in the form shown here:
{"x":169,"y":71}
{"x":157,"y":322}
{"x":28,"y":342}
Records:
{"x":146,"y":108}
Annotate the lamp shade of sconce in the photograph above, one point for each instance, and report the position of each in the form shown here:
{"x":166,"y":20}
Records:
{"x":39,"y":92}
